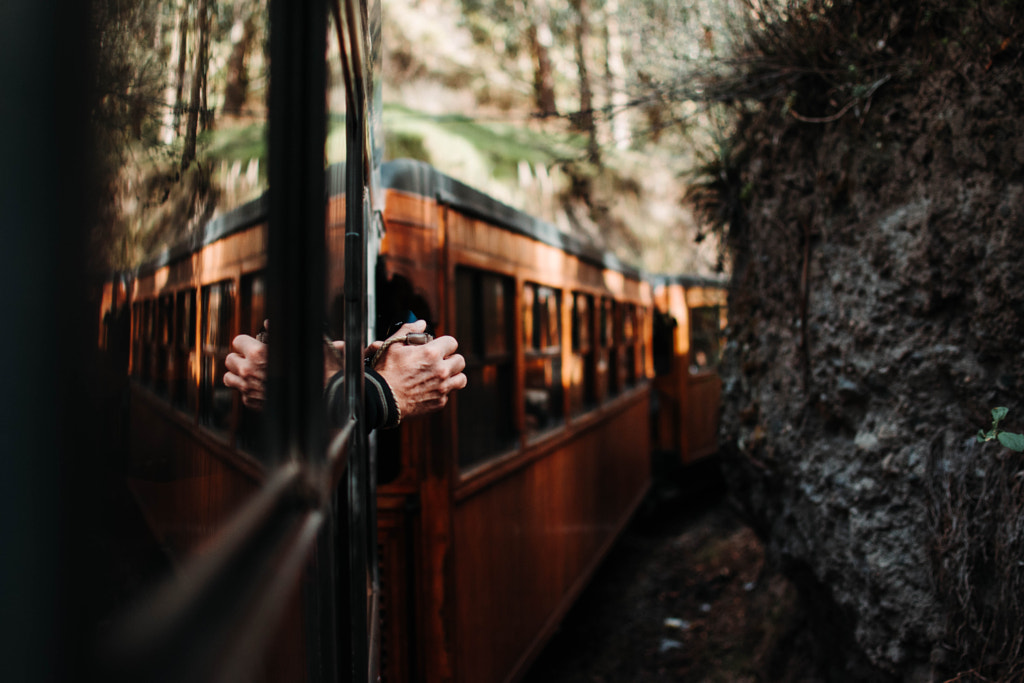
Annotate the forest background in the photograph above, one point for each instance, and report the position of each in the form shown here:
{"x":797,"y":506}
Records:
{"x":584,"y":113}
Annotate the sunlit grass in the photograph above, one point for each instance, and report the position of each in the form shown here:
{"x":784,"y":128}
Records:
{"x":235,"y":143}
{"x":467,"y":148}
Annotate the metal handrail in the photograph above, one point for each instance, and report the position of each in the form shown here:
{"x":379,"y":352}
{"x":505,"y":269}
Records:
{"x":210,"y":622}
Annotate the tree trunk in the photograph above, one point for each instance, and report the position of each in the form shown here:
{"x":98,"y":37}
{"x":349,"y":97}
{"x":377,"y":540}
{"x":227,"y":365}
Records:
{"x":176,"y":79}
{"x":188,"y":155}
{"x":584,"y":120}
{"x":615,"y":77}
{"x":236,"y":90}
{"x":539,"y":36}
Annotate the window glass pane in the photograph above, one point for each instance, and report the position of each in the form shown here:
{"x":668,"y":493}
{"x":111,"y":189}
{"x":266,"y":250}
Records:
{"x":468,"y":315}
{"x":581,"y":322}
{"x":164,"y":361}
{"x":530,"y":333}
{"x":495,"y":315}
{"x":486,"y":415}
{"x":216,"y":400}
{"x":582,"y":372}
{"x":542,"y":392}
{"x":253,"y":314}
{"x":628,"y":322}
{"x":148,"y":334}
{"x":180,"y":143}
{"x":552,"y":308}
{"x":336,"y":156}
{"x":184,"y":391}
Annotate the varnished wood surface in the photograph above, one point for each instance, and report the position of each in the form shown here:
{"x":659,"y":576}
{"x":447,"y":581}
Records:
{"x":522,"y":545}
{"x":500,"y":553}
{"x":688,"y":418}
{"x":186,"y":486}
{"x":702,"y":415}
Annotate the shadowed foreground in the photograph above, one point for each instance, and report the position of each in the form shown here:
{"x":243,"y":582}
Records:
{"x":683,"y":596}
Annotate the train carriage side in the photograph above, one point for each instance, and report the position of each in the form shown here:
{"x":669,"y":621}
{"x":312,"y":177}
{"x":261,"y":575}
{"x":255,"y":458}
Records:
{"x":688,"y":335}
{"x":189,"y":466}
{"x":521,"y":487}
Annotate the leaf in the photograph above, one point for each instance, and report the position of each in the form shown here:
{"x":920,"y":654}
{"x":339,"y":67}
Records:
{"x":981,"y":436}
{"x":999,"y":413}
{"x":1015,"y":442}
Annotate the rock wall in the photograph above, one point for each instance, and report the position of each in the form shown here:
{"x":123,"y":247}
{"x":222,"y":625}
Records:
{"x":876,"y":317}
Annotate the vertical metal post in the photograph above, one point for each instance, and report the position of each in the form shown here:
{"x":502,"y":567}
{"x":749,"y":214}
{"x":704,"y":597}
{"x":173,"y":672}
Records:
{"x":296,"y":270}
{"x":360,"y":499}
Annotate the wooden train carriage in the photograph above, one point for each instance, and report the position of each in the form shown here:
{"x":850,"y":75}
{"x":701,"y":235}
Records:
{"x":266,"y":518}
{"x":505,"y":502}
{"x":502,"y":505}
{"x":195,"y":452}
{"x":195,"y":455}
{"x":688,"y":336}
{"x":184,"y":468}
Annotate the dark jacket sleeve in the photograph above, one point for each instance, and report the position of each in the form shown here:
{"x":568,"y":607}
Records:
{"x":380,"y":409}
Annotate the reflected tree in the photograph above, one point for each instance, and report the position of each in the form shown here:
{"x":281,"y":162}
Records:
{"x":179,"y":117}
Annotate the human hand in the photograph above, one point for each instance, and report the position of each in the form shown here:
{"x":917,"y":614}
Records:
{"x":421,"y":376}
{"x":334,"y":358}
{"x":247,"y":369}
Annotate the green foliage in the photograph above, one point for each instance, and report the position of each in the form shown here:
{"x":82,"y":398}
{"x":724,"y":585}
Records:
{"x":1013,"y":441}
{"x":493,"y":147}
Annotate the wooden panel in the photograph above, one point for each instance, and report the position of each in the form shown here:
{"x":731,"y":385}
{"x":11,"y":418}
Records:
{"x":185,"y":486}
{"x":244,"y":251}
{"x":396,"y":580}
{"x":525,"y":545}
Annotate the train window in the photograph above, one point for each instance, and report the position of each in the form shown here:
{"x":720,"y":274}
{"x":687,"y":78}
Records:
{"x":628,"y":371}
{"x":164,"y":336}
{"x":148,"y":339}
{"x":581,"y":375}
{"x":705,"y":338}
{"x":486,"y":417}
{"x":184,"y":390}
{"x":136,"y":340}
{"x":254,"y":302}
{"x":608,"y":362}
{"x":542,"y":342}
{"x":641,"y":342}
{"x":253,"y":313}
{"x":215,"y":399}
{"x":496,"y":316}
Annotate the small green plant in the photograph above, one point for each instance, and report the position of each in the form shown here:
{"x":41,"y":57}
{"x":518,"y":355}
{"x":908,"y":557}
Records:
{"x":1014,"y":442}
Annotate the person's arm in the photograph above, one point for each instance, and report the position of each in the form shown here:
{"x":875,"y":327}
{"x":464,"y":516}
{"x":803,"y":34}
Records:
{"x":409,"y":380}
{"x":421,"y":377}
{"x":247,"y":370}
{"x":379,"y":408}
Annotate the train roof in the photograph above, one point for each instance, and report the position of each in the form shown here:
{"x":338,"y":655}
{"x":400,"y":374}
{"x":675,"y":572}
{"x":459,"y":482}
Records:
{"x":689,"y":281}
{"x":417,"y":177}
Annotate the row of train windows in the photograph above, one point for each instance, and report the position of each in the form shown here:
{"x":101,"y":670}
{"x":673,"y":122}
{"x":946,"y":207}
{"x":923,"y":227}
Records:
{"x":605,"y":358}
{"x":180,"y":341}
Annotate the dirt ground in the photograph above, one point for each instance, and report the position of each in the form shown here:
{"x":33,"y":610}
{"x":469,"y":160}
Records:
{"x":683,"y":596}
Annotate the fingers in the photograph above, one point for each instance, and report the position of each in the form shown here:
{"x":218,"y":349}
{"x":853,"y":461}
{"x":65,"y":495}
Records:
{"x":247,"y":370}
{"x":410,"y":328}
{"x":454,"y":383}
{"x":231,"y":378}
{"x":250,"y":348}
{"x":446,"y":345}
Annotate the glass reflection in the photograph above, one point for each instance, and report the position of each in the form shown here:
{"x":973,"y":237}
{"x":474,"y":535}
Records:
{"x":336,"y":158}
{"x":180,"y":123}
